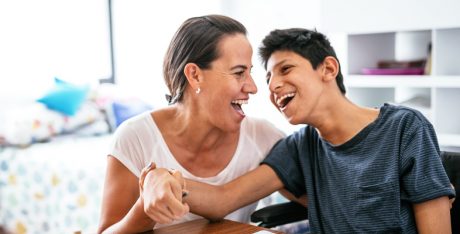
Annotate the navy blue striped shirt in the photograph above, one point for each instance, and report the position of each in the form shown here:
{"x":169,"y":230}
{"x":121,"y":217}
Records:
{"x":368,"y":184}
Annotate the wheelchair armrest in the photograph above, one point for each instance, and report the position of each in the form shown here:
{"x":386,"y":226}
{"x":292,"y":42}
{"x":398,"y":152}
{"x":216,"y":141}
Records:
{"x":451,"y":163}
{"x":279,"y":214}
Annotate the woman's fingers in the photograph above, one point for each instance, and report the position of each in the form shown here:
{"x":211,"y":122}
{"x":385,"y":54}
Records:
{"x":162,"y":196}
{"x":144,"y":172}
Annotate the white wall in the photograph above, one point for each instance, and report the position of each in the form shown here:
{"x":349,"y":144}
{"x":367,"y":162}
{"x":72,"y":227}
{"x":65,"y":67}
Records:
{"x":357,"y":16}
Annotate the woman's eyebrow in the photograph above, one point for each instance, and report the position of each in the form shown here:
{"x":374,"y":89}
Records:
{"x":239,"y":67}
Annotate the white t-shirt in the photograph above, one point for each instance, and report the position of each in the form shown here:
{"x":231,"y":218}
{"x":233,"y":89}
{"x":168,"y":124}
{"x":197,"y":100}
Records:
{"x":138,"y":141}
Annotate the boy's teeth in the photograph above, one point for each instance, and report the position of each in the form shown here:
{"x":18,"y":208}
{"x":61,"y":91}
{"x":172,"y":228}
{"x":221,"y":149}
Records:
{"x":279,"y":101}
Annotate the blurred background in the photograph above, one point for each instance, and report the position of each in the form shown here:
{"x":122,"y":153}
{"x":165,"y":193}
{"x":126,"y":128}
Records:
{"x":71,"y":71}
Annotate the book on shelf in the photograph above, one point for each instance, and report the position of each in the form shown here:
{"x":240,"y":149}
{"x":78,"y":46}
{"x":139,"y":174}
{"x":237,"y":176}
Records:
{"x":401,"y":64}
{"x":393,"y":71}
{"x":421,"y":66}
{"x":393,"y":67}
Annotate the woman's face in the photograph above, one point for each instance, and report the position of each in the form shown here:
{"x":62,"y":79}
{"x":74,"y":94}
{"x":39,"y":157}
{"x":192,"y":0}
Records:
{"x":227,"y":83}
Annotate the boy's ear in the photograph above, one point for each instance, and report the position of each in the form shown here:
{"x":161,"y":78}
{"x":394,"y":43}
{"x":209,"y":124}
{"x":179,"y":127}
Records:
{"x":193,"y":74}
{"x":330,"y":68}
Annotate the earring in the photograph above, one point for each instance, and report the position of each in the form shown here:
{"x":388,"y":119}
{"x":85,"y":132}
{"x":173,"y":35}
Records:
{"x":198,"y":90}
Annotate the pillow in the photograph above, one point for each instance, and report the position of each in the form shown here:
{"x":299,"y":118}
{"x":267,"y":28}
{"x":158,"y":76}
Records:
{"x":125,"y":109}
{"x":65,"y":97}
{"x":86,"y":114}
{"x":31,"y":123}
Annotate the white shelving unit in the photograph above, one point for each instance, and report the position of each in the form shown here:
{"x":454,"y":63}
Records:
{"x":436,"y":95}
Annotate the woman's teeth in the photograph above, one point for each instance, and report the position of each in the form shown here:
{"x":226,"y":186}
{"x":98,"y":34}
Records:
{"x":240,"y":102}
{"x":236,"y":104}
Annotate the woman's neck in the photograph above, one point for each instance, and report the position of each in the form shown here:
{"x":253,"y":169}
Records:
{"x":201,"y":148}
{"x":188,"y":130}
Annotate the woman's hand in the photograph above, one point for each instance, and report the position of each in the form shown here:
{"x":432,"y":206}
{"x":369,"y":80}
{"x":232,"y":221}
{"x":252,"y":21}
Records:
{"x":161,"y":191}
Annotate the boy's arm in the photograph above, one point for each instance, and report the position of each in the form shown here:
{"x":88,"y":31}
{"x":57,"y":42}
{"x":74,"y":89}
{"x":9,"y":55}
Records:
{"x":213,"y":202}
{"x":302,"y":200}
{"x":433,"y":216}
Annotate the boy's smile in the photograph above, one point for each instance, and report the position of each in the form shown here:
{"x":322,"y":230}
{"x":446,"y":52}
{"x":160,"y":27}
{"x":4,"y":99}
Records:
{"x":294,"y":85}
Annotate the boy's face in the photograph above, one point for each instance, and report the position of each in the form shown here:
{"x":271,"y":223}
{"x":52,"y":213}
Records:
{"x":295,"y":87}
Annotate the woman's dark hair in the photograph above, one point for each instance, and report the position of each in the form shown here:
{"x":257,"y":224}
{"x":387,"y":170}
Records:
{"x":196,"y":41}
{"x":311,"y":45}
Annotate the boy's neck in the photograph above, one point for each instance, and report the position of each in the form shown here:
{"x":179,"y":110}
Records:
{"x":344,"y":121}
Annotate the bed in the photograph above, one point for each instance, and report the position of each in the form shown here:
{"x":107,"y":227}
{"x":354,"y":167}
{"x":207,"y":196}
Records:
{"x":53,"y":187}
{"x":53,"y":156}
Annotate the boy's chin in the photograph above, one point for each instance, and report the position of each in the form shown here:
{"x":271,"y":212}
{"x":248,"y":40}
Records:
{"x":291,"y":120}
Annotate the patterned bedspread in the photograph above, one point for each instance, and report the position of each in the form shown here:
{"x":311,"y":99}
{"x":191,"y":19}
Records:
{"x":53,"y":187}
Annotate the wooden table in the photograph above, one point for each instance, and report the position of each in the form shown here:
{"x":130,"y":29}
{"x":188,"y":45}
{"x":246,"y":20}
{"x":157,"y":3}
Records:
{"x":206,"y":227}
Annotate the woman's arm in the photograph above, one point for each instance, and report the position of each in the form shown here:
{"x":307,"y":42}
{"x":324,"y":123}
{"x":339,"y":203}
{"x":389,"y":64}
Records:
{"x":122,"y":209}
{"x":433,"y":216}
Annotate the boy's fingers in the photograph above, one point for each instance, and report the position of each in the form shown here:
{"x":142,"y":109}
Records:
{"x":178,"y":207}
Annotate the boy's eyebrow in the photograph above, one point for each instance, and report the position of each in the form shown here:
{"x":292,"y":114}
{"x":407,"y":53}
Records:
{"x":274,"y":67}
{"x":268,"y":75}
{"x":278,"y":64}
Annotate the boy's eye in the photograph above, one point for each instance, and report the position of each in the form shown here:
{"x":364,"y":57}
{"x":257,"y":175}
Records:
{"x":268,"y":77}
{"x":285,"y":69}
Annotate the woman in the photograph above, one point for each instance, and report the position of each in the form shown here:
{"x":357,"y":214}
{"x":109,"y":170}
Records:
{"x":204,"y":133}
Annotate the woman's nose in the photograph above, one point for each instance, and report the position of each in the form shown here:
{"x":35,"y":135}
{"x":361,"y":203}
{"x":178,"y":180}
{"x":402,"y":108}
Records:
{"x":250,"y":86}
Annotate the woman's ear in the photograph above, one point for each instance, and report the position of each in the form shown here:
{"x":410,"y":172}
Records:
{"x":330,"y":68}
{"x":193,"y":74}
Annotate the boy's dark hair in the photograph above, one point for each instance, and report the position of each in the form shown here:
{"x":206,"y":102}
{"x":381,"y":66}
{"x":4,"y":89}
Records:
{"x":311,"y":45}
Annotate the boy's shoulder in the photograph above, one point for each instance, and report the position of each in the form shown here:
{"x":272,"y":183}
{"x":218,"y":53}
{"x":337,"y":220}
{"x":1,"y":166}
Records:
{"x":403,"y":113}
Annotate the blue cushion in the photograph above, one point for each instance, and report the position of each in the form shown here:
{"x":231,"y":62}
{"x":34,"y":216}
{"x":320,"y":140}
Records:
{"x":65,"y":97}
{"x":123,"y":110}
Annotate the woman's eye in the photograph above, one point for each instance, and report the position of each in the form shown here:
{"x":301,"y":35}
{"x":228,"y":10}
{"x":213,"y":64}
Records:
{"x":239,"y":74}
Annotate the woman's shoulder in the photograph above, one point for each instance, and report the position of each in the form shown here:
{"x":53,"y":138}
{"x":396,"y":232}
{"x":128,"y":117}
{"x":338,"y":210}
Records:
{"x":137,"y":123}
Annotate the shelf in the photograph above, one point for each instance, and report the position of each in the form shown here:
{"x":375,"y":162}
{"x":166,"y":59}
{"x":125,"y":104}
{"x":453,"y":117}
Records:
{"x":382,"y":81}
{"x":436,"y":95}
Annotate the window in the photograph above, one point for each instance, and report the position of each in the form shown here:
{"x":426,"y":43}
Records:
{"x":44,"y":39}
